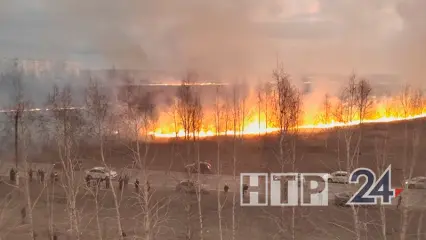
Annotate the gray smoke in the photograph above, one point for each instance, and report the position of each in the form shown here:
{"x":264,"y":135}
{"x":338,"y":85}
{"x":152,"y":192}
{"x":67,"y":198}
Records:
{"x":241,"y":37}
{"x":172,"y":35}
{"x":410,"y":46}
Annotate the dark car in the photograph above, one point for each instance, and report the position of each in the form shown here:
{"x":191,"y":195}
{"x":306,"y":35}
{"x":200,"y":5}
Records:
{"x":205,"y":168}
{"x":189,"y":186}
{"x":76,"y":165}
{"x":341,"y":199}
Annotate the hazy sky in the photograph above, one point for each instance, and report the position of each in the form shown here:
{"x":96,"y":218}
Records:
{"x":223,"y":36}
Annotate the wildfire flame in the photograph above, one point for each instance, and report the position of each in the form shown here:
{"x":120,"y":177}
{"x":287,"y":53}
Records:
{"x":255,"y":123}
{"x":253,"y":128}
{"x":258,"y":120}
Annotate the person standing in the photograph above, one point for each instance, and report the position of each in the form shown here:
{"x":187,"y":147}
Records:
{"x":120,"y":183}
{"x":87,"y":178}
{"x":30,"y":175}
{"x":12,"y":175}
{"x":126,"y":181}
{"x":148,"y":186}
{"x":107,"y":182}
{"x":245,"y":189}
{"x":52,"y":177}
{"x":38,"y":175}
{"x":42,"y":176}
{"x":23,"y":214}
{"x":98,"y":183}
{"x":137,"y":186}
{"x":399,"y":202}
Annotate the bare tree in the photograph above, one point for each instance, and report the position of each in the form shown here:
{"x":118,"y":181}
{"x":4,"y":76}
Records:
{"x":68,"y":123}
{"x":405,"y":101}
{"x":189,"y":111}
{"x":259,"y":97}
{"x":268,"y":95}
{"x":363,"y":99}
{"x":23,"y":120}
{"x":140,"y":115}
{"x":381,"y":152}
{"x":411,"y":102}
{"x":355,"y":103}
{"x":287,"y":111}
{"x":13,"y":80}
{"x":27,"y":144}
{"x":236,"y":120}
{"x":244,"y":91}
{"x":326,"y":115}
{"x":190,"y":114}
{"x":95,"y":192}
{"x":188,"y":105}
{"x":218,"y":125}
{"x":97,"y":105}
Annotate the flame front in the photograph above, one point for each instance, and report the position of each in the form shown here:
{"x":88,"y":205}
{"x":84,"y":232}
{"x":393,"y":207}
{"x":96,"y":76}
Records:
{"x":255,"y":120}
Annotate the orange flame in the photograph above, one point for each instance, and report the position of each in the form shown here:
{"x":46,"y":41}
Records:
{"x":255,"y":122}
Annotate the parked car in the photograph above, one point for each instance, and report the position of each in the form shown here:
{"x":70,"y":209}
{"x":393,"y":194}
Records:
{"x":286,"y":178}
{"x":205,"y":168}
{"x":189,"y":186}
{"x":341,"y":199}
{"x":416,"y":183}
{"x":76,"y":165}
{"x":338,"y":177}
{"x":100,"y":173}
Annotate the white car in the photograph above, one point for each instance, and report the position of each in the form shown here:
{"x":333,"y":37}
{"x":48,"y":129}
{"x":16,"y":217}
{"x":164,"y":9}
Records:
{"x":416,"y":182}
{"x":189,"y":186}
{"x":286,"y":179}
{"x":100,"y":173}
{"x":338,"y":177}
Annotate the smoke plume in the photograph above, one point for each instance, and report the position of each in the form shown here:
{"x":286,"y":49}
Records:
{"x":171,"y":35}
{"x":228,"y":38}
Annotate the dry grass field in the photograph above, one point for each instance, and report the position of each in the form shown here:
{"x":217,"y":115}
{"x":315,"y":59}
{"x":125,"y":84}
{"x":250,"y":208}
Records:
{"x":171,"y":219}
{"x":259,"y":153}
{"x":176,"y":216}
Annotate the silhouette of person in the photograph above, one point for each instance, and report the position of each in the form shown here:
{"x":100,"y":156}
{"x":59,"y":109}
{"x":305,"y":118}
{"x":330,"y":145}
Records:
{"x":42,"y":176}
{"x":226,"y":188}
{"x":148,"y":186}
{"x":137,"y":185}
{"x":126,"y":181}
{"x":107,"y":182}
{"x":399,"y":202}
{"x":120,"y":183}
{"x":52,"y":177}
{"x":245,"y":188}
{"x":30,"y":174}
{"x":23,"y":214}
{"x":38,"y":175}
{"x":12,"y":175}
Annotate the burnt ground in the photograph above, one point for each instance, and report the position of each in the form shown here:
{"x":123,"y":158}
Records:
{"x":259,"y":153}
{"x":255,"y":154}
{"x":171,"y":219}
